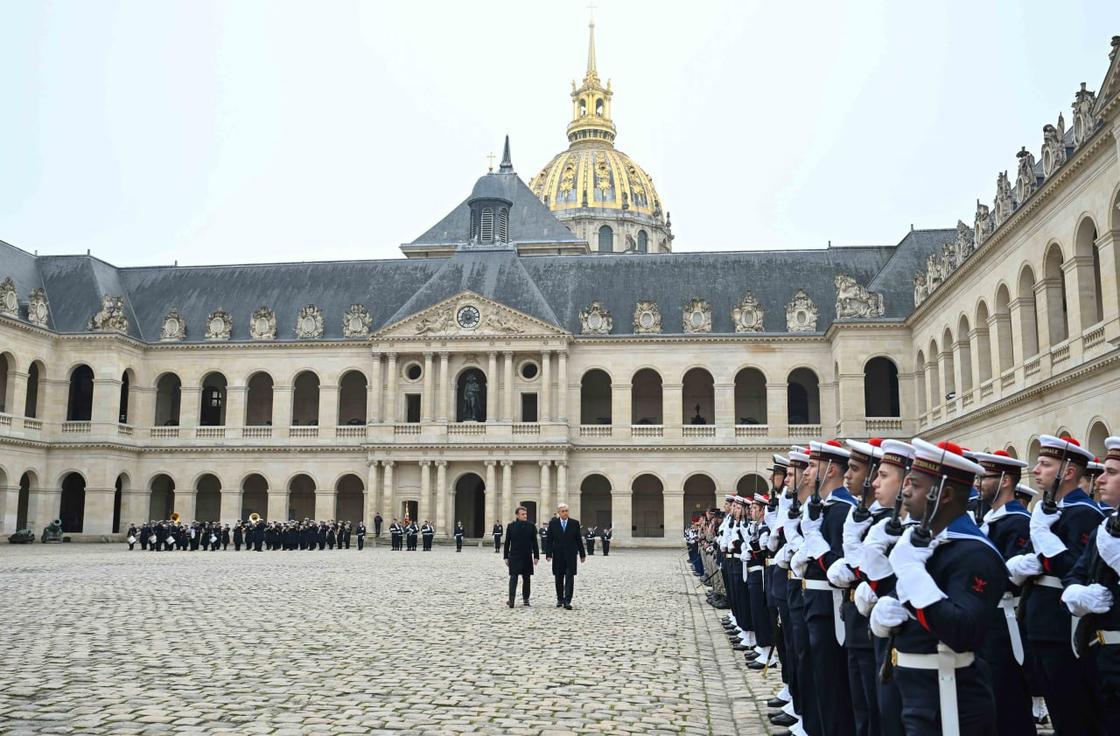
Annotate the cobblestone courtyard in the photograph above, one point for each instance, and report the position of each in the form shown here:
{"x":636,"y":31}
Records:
{"x":101,"y":640}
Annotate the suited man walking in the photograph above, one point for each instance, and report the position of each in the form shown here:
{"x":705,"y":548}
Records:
{"x":563,"y":544}
{"x":521,"y":554}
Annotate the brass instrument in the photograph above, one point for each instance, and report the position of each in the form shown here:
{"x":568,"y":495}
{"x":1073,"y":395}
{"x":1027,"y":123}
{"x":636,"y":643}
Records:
{"x":175,"y":517}
{"x":254,"y":517}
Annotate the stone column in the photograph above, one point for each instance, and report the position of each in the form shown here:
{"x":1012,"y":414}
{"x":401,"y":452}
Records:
{"x":443,"y":522}
{"x":106,"y":400}
{"x":622,"y":514}
{"x":428,"y":399}
{"x":544,"y":407}
{"x":562,"y":388}
{"x":932,"y":399}
{"x":374,"y":395}
{"x":43,"y":507}
{"x":724,"y":405}
{"x":98,"y":513}
{"x":507,"y":489}
{"x":672,"y":408}
{"x":281,"y":410}
{"x":491,"y":496}
{"x":423,"y":505}
{"x":372,"y":499}
{"x":9,"y":508}
{"x":328,"y":410}
{"x":186,"y":502}
{"x":673,"y":513}
{"x":493,"y":385}
{"x":229,"y":510}
{"x":277,"y":504}
{"x":325,"y":503}
{"x":621,"y":406}
{"x":545,"y":501}
{"x":235,"y":406}
{"x":390,"y":491}
{"x":446,"y":404}
{"x":507,"y":387}
{"x":561,"y":482}
{"x":391,"y":399}
{"x":18,"y":380}
{"x":189,"y":404}
{"x":1107,"y":246}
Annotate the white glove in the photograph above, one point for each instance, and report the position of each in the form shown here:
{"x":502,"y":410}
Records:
{"x":1083,"y":599}
{"x":853,"y":536}
{"x":878,"y":538}
{"x":915,"y":585}
{"x":773,"y":540}
{"x":886,"y":615}
{"x":799,"y":562}
{"x":1021,"y":567}
{"x":770,"y":518}
{"x":1044,"y":540}
{"x":1108,"y":546}
{"x":793,"y":529}
{"x":784,"y":556}
{"x":764,"y":540}
{"x":874,"y":564}
{"x":840,"y":575}
{"x":865,"y":599}
{"x":816,"y":546}
{"x":810,"y":525}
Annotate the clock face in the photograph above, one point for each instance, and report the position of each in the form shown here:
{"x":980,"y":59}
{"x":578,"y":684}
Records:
{"x":468,"y":317}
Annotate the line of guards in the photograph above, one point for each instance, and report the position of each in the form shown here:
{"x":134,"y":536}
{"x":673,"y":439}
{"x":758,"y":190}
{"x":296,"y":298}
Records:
{"x":914,"y":588}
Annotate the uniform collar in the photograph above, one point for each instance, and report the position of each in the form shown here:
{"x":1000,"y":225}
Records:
{"x":963,"y":527}
{"x":840,"y":494}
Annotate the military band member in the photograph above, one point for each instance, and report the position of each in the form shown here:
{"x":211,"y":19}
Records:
{"x":1007,"y":524}
{"x":605,"y":537}
{"x":1060,"y":527}
{"x":131,"y":539}
{"x":410,"y":533}
{"x":428,"y":532}
{"x":377,"y":520}
{"x":395,"y":535}
{"x":589,"y":537}
{"x":361,"y":534}
{"x":497,"y":533}
{"x":460,"y":532}
{"x":949,"y":580}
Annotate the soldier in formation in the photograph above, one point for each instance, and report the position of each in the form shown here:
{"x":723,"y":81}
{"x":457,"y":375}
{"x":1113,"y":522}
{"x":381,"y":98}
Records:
{"x":919,"y":588}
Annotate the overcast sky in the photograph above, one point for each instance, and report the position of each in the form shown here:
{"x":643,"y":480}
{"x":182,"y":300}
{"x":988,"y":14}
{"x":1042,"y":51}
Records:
{"x":248,"y":131}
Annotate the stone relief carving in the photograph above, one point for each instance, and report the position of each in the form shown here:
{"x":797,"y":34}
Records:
{"x":219,"y":325}
{"x":442,"y":322}
{"x":356,"y":322}
{"x":696,"y":316}
{"x":647,"y":318}
{"x":111,"y":318}
{"x":982,"y":227}
{"x":1053,"y":146}
{"x":263,"y":324}
{"x":174,"y":327}
{"x":1004,"y":205}
{"x":939,"y":266}
{"x":1083,"y":122}
{"x":496,"y":321}
{"x":9,"y":300}
{"x":309,"y":323}
{"x":920,"y":289}
{"x":594,"y":319}
{"x":965,"y":243}
{"x":438,"y":322}
{"x":1026,"y":183}
{"x":801,"y":313}
{"x":747,"y":314}
{"x":853,"y":300}
{"x":38,"y":311}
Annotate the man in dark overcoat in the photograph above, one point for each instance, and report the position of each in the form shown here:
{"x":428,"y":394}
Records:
{"x":563,"y":544}
{"x":521,"y":554}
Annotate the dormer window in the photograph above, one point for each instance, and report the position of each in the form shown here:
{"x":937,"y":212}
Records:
{"x":503,"y":225}
{"x":487,"y":231}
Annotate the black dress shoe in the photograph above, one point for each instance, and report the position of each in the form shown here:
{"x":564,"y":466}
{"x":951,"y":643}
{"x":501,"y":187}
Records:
{"x":783,"y":719}
{"x":751,"y":655}
{"x":525,"y":603}
{"x":756,"y":665}
{"x":740,"y":647}
{"x":775,"y":703}
{"x":510,"y":603}
{"x":567,"y":606}
{"x":559,"y":604}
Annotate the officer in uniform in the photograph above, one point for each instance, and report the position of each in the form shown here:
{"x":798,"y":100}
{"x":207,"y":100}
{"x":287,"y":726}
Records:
{"x":459,"y":533}
{"x":410,"y":533}
{"x":605,"y":537}
{"x":1093,"y":593}
{"x":497,"y":533}
{"x":132,"y":532}
{"x":730,"y":544}
{"x":1060,"y":527}
{"x":822,"y":526}
{"x":949,"y":580}
{"x":774,"y":577}
{"x":589,"y":537}
{"x":361,"y":534}
{"x":427,"y":531}
{"x":377,"y":521}
{"x":1007,"y":524}
{"x":394,"y":535}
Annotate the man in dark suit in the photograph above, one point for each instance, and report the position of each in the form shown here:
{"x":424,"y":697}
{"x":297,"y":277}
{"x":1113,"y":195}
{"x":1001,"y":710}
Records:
{"x":563,"y":544}
{"x":521,"y":554}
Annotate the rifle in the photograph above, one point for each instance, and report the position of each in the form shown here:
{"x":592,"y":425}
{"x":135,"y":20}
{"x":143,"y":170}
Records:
{"x":815,"y":504}
{"x":1097,"y":574}
{"x":1049,"y":498}
{"x":861,"y":513}
{"x":894,"y":525}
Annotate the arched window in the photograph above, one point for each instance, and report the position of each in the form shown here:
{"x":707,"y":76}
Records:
{"x":254,"y":496}
{"x":350,"y":499}
{"x":599,"y":107}
{"x":606,"y":239}
{"x":880,"y":388}
{"x":964,"y":346}
{"x":72,"y":505}
{"x":1057,"y":318}
{"x":645,"y":398}
{"x":595,"y":398}
{"x":699,"y":496}
{"x":208,"y":498}
{"x":643,"y":242}
{"x":305,"y":400}
{"x":983,"y":343}
{"x":1088,"y":256}
{"x":34,"y":388}
{"x":648,"y":506}
{"x":301,"y":498}
{"x":935,"y":396}
{"x":583,"y":108}
{"x":352,"y":390}
{"x":1095,"y":439}
{"x":258,"y":402}
{"x":1005,"y":339}
{"x":79,"y":407}
{"x":212,"y":412}
{"x":1028,"y":322}
{"x":698,"y":397}
{"x":161,"y":500}
{"x":595,"y":501}
{"x":750,"y":397}
{"x":126,"y":386}
{"x":168,"y":394}
{"x":803,"y":397}
{"x":7,"y":385}
{"x":470,"y":404}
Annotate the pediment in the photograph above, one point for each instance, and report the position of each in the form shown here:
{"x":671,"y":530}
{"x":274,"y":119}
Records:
{"x":466,"y":315}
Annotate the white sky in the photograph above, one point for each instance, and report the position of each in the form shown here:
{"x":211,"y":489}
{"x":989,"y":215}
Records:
{"x":220,"y":132}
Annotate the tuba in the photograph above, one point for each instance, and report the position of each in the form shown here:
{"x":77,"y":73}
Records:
{"x":254,"y":517}
{"x":175,"y":517}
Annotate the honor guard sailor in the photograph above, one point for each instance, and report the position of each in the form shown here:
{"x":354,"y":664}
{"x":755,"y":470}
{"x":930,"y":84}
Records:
{"x":497,"y":534}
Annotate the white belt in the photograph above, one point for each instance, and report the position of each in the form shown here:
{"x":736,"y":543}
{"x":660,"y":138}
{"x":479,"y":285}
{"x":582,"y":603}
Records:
{"x":754,"y":568}
{"x":1009,"y":606}
{"x":1105,"y":638}
{"x":946,"y":662}
{"x":807,"y":584}
{"x":837,"y":599}
{"x":1048,"y":581}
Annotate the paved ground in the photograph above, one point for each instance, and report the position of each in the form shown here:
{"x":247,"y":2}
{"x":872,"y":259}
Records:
{"x":100,"y":640}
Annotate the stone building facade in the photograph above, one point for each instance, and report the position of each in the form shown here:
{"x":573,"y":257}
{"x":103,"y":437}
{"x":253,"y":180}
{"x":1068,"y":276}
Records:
{"x":503,"y":362}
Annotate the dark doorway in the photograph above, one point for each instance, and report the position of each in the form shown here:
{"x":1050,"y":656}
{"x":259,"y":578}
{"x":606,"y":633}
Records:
{"x":410,"y":509}
{"x":24,"y":501}
{"x":117,"y":506}
{"x":470,"y":498}
{"x":531,"y":508}
{"x":73,"y":506}
{"x":79,"y":408}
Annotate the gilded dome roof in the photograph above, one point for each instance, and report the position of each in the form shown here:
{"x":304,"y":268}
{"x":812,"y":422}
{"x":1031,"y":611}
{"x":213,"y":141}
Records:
{"x":596,"y":176}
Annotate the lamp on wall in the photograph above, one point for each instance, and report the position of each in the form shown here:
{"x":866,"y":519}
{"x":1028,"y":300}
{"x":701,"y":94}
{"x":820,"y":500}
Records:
{"x":951,"y":395}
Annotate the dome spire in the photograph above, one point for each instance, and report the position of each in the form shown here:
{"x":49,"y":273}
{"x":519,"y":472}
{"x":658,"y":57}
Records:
{"x":591,"y":103}
{"x":506,"y":167}
{"x":592,"y":72}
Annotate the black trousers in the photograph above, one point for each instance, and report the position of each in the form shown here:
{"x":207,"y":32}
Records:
{"x":606,"y":547}
{"x":497,"y":544}
{"x":526,"y":587}
{"x":458,"y":544}
{"x":564,"y":585}
{"x":361,"y":542}
{"x":1068,"y":684}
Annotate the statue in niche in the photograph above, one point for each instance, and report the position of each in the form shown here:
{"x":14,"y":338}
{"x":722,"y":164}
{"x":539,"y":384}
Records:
{"x":472,"y":398}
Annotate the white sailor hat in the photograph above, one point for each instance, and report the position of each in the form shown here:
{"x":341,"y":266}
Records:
{"x":865,"y":452}
{"x":1112,"y":448}
{"x":1095,"y":468}
{"x":741,"y":500}
{"x":729,"y":498}
{"x":830,"y":450}
{"x":897,"y":452}
{"x":1022,"y":489}
{"x":999,"y":461}
{"x":944,"y":458}
{"x":1067,"y":448}
{"x":781,"y":464}
{"x":762,"y":499}
{"x":799,"y":456}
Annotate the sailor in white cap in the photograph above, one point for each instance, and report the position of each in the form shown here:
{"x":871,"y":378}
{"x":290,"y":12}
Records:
{"x":1007,"y":524}
{"x":1094,"y":594}
{"x":754,"y":557}
{"x":1060,"y":527}
{"x":774,"y":577}
{"x":822,"y":525}
{"x":949,"y":581}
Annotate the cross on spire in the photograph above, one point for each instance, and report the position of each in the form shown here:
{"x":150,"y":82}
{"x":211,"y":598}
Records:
{"x":490,"y":158}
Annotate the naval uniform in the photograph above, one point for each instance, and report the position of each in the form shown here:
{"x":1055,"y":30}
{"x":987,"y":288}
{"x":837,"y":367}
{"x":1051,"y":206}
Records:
{"x":361,"y":534}
{"x":497,"y":532}
{"x":459,"y":532}
{"x":427,"y":532}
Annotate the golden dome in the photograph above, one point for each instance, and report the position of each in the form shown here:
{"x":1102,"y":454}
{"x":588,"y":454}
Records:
{"x":592,"y":173}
